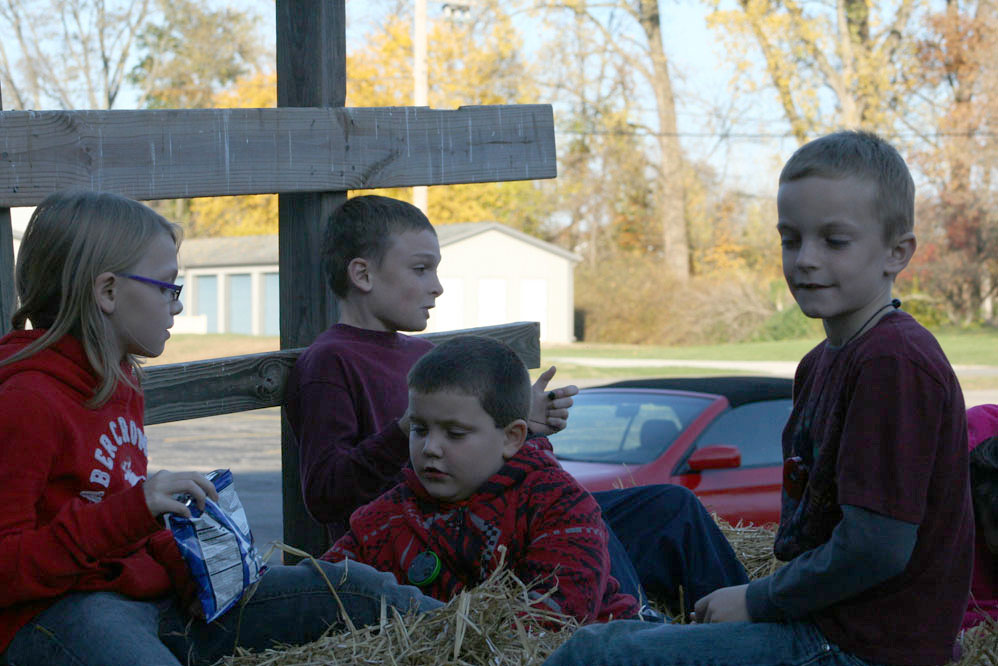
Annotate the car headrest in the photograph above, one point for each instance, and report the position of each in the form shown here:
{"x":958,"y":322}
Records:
{"x":656,"y":433}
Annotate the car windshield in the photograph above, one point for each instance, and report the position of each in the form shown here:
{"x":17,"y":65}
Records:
{"x":632,"y":427}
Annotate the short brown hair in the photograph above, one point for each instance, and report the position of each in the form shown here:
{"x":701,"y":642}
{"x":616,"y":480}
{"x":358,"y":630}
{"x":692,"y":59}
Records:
{"x":363,"y":227}
{"x":476,"y":365}
{"x":866,"y":156}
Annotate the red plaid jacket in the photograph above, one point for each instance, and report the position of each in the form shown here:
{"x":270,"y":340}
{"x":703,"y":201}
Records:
{"x":551,"y":528}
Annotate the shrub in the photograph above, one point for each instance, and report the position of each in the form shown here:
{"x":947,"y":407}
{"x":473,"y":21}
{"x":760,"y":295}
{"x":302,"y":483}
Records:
{"x":632,"y":299}
{"x":788,"y":324}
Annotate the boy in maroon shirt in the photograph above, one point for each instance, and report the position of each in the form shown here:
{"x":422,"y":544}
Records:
{"x":876,"y":522}
{"x":347,"y":392}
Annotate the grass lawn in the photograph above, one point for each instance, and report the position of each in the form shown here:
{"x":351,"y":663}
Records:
{"x":970,"y":347}
{"x":786,"y":350}
{"x":569,"y":372}
{"x":184,"y":348}
{"x":963,"y":348}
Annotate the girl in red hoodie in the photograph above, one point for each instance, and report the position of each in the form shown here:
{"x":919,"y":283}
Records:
{"x":88,"y":574}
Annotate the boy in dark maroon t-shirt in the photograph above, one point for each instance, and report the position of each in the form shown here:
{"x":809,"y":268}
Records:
{"x":876,"y":523}
{"x":347,"y":391}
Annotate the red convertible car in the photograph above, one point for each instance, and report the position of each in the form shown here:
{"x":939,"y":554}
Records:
{"x":718,"y":436}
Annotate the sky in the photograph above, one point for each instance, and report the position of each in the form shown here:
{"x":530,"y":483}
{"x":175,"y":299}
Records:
{"x":700,"y":76}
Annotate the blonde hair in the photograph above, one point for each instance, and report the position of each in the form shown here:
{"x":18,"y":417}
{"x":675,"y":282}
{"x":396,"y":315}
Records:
{"x":868,"y":157}
{"x":72,"y":237}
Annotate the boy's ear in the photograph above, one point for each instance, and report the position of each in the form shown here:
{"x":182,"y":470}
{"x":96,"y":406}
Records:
{"x":515,"y":434}
{"x":900,"y":253}
{"x":359,"y":274}
{"x":106,"y":292}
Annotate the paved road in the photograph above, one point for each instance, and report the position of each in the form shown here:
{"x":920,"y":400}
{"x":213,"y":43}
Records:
{"x":249,"y":443}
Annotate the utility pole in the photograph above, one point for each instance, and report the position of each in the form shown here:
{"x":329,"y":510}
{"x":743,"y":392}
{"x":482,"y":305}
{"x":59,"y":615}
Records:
{"x":420,"y":194}
{"x":455,"y":11}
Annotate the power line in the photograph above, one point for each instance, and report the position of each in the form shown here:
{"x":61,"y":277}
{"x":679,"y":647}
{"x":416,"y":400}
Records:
{"x":770,"y":135}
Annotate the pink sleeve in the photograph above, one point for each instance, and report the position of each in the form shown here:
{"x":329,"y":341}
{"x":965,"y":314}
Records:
{"x":982,"y":423}
{"x":978,"y":611}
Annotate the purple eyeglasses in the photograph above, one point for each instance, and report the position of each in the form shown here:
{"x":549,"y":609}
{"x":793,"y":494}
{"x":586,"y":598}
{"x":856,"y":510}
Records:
{"x":164,"y":287}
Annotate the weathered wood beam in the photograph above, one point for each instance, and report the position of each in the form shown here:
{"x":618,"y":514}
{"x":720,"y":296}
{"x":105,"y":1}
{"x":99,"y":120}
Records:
{"x":165,"y":154}
{"x":7,"y":293}
{"x":7,"y":300}
{"x":311,"y":72}
{"x":181,"y":391}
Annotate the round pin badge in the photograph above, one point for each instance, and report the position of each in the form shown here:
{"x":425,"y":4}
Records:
{"x":424,"y":569}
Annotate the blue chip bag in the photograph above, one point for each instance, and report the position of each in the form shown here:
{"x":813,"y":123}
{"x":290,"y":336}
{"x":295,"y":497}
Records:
{"x":217,"y":545}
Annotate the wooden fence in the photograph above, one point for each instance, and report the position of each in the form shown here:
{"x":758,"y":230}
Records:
{"x":310,"y":150}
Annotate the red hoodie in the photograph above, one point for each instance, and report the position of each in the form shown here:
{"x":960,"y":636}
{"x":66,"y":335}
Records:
{"x":550,"y":526}
{"x":73,"y":516}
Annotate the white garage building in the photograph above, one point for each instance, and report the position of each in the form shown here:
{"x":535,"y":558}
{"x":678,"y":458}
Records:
{"x":491,"y":274}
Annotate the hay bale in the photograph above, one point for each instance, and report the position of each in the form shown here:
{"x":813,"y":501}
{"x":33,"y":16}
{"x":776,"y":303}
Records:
{"x":496,"y":624}
{"x":753,"y":545}
{"x":493,"y":624}
{"x":980,"y":645}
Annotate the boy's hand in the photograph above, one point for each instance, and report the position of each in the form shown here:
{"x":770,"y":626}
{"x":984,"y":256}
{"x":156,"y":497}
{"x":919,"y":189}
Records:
{"x":549,"y":409}
{"x":162,"y":487}
{"x":724,"y":605}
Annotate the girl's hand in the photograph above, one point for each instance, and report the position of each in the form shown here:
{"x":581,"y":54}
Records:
{"x":549,"y":409}
{"x":162,"y":487}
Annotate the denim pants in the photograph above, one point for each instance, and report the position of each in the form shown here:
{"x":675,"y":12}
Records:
{"x":671,"y":541}
{"x":621,"y":567}
{"x":292,"y":605}
{"x":635,"y":643}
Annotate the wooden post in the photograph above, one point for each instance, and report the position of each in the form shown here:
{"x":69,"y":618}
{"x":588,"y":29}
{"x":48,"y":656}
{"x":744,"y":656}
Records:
{"x":6,"y":265}
{"x":310,"y":155}
{"x":6,"y":271}
{"x":311,"y":71}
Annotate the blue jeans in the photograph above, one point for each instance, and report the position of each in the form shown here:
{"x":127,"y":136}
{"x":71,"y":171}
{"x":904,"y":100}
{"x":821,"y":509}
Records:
{"x":671,"y":541}
{"x":292,"y":605}
{"x":621,"y":567}
{"x":634,"y":643}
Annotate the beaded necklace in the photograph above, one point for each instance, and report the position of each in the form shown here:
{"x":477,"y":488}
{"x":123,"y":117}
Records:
{"x":795,"y":471}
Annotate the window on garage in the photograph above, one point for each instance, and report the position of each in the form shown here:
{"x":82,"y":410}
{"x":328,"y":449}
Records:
{"x":207,"y":299}
{"x":240,"y":304}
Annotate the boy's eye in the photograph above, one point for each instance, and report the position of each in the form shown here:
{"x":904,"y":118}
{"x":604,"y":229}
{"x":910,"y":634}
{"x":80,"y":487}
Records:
{"x":456,"y":434}
{"x":789,"y":242}
{"x":417,"y":429}
{"x":837,"y":242}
